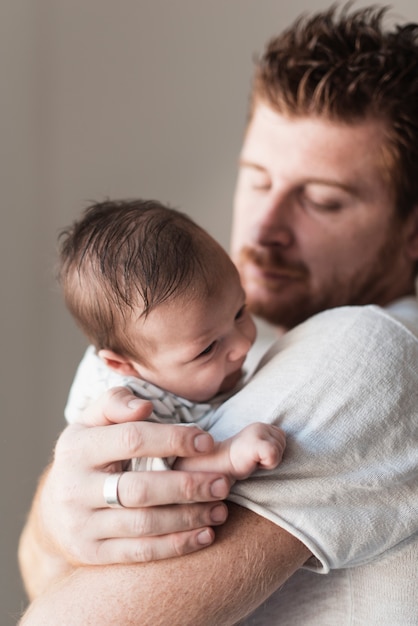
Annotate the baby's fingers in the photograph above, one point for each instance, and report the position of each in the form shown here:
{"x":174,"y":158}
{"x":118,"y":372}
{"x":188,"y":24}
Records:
{"x":272,"y":447}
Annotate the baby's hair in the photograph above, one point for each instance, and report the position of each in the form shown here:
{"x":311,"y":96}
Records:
{"x":123,"y":258}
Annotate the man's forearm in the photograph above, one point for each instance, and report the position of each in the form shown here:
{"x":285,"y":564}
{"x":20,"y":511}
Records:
{"x":40,"y":564}
{"x":220,"y":585}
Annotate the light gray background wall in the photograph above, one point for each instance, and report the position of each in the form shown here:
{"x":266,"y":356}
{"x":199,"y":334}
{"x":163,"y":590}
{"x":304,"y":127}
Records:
{"x":102,"y":98}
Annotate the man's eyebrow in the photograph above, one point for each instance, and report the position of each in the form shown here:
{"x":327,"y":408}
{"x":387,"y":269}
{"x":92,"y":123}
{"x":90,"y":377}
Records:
{"x":255,"y":166}
{"x":328,"y":182}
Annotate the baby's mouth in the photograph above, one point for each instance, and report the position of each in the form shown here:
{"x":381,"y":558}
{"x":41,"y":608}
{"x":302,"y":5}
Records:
{"x":231,"y":380}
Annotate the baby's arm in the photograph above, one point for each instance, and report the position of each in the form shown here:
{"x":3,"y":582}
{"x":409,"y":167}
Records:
{"x":257,"y":446}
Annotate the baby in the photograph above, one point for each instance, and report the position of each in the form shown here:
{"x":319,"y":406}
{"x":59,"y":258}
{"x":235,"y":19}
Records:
{"x":164,"y":308}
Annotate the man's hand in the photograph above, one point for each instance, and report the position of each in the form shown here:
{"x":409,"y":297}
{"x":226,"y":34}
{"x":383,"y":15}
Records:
{"x":167,"y":513}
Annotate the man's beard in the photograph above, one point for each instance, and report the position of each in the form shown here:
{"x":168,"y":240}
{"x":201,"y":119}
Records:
{"x":286,"y":303}
{"x":276,"y":307}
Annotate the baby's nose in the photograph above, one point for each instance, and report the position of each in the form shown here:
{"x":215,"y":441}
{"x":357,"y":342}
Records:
{"x":239,"y":347}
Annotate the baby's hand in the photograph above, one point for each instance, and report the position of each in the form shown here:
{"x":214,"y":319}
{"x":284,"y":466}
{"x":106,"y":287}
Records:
{"x":257,"y":446}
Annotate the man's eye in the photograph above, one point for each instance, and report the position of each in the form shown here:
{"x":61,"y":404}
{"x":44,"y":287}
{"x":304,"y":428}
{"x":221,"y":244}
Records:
{"x":207,"y":350}
{"x":318,"y":204}
{"x":326,"y":206}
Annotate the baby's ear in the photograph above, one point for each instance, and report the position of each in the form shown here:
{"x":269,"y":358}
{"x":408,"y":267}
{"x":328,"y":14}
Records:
{"x":121,"y":365}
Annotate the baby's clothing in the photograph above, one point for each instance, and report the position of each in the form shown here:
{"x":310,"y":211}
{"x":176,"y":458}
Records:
{"x":94,"y":377}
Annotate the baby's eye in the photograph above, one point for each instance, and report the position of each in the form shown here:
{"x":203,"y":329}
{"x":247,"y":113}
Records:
{"x":240,"y":312}
{"x":207,"y":350}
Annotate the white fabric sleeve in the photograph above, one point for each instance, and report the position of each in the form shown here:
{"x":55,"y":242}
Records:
{"x":344,"y":387}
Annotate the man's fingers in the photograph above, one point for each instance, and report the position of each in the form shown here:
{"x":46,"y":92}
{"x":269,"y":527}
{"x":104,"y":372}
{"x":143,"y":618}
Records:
{"x":144,"y":535}
{"x":137,"y":523}
{"x":147,"y":489}
{"x":115,"y":406}
{"x":109,"y":444}
{"x":153,"y":548}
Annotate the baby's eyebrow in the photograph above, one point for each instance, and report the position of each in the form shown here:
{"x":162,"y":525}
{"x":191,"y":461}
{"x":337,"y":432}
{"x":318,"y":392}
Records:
{"x":192,"y":350}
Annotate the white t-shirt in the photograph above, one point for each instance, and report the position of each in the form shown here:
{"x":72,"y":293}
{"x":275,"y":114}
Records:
{"x":344,"y":387}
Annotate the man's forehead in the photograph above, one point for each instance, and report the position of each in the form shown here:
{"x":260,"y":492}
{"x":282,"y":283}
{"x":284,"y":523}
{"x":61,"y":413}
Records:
{"x":266,"y":117}
{"x":271,"y":134}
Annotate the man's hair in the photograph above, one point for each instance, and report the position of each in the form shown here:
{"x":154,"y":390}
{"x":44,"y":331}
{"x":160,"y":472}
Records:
{"x":123,"y":258}
{"x":345,"y":66}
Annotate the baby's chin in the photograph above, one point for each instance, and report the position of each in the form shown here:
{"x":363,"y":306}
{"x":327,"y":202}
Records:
{"x":228,"y":384}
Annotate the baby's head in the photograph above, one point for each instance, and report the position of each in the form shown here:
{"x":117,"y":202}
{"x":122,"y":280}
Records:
{"x":157,"y":296}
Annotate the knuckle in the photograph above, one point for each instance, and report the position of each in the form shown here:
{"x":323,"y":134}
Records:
{"x":85,"y":554}
{"x":102,"y":553}
{"x":179,"y":544}
{"x":141,"y":524}
{"x":115,"y":393}
{"x":195,"y":516}
{"x":111,"y":393}
{"x":188,"y":487}
{"x":136,"y":489}
{"x":61,"y":494}
{"x":144,"y":552}
{"x":180,"y":438}
{"x":69,"y":494}
{"x":132,"y":439}
{"x":64,"y":448}
{"x":175,"y":440}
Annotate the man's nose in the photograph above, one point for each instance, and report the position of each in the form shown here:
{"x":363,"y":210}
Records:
{"x":274,"y":222}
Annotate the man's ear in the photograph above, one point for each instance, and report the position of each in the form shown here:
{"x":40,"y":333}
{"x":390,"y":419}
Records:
{"x":120,"y":364}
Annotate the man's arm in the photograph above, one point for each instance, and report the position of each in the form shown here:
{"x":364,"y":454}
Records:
{"x":40,"y":562}
{"x":250,"y":559}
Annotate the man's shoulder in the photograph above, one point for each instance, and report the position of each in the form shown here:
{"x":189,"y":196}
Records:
{"x":372,"y":324}
{"x":361,"y":319}
{"x":347,"y":316}
{"x":351,"y":330}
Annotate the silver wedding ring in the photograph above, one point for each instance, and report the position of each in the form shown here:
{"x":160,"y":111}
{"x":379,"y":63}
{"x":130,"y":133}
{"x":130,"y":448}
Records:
{"x":110,"y":490}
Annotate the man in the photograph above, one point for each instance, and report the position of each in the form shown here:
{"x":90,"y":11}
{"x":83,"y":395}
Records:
{"x":326,"y":215}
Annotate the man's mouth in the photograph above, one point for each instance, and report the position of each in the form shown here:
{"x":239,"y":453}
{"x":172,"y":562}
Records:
{"x":274,"y":273}
{"x":263,"y":265}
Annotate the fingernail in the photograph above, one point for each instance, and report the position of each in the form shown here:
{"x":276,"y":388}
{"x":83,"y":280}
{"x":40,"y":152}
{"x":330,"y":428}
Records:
{"x":205,"y":537}
{"x":135,"y":404}
{"x":203,"y":443}
{"x":219,"y":488}
{"x":218,"y":513}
